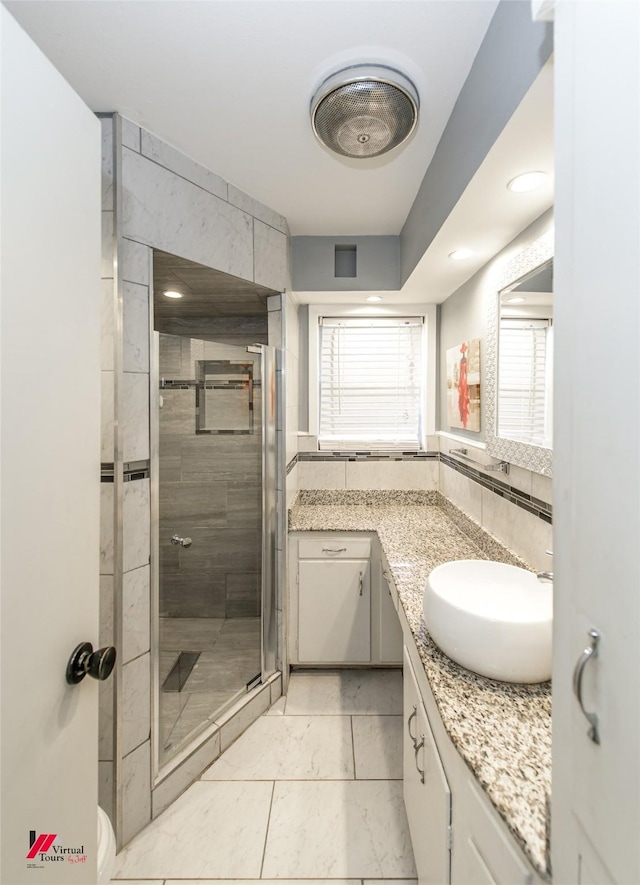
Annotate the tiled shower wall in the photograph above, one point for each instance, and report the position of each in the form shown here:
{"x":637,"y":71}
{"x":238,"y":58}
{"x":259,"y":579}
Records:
{"x":153,"y":197}
{"x":210,"y":489}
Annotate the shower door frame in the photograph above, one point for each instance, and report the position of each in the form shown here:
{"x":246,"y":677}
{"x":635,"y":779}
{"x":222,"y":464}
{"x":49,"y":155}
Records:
{"x":271,"y":390}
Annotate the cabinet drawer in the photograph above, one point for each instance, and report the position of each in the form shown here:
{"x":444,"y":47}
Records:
{"x":334,"y":548}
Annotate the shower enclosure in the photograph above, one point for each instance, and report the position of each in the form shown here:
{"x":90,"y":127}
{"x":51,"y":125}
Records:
{"x":214,"y":509}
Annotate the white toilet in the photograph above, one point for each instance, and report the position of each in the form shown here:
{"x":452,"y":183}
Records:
{"x":106,"y":847}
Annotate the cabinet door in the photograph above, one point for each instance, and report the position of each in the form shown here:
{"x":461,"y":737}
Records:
{"x":484,"y":850}
{"x":426,"y":792}
{"x":334,"y":611}
{"x":390,"y":629}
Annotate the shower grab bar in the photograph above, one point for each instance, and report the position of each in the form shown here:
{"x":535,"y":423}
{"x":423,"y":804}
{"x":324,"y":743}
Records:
{"x":502,"y":466}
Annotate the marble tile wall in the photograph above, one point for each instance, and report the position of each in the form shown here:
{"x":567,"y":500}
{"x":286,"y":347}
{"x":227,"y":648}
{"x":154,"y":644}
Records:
{"x":162,"y":200}
{"x":108,"y":314}
{"x":525,"y":533}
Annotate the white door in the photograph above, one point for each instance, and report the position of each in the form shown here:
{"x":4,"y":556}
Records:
{"x":596,"y":786}
{"x":50,"y":396}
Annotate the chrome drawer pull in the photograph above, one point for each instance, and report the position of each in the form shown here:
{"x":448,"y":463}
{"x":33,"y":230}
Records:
{"x":590,"y":652}
{"x":385,"y":575}
{"x":412,"y":716}
{"x":334,"y":549}
{"x":418,"y":747}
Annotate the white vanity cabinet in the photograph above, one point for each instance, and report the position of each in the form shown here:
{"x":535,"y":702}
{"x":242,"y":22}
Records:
{"x":458,"y":837}
{"x":485,"y":853}
{"x":334,"y":601}
{"x":341,"y":610}
{"x":427,"y":796}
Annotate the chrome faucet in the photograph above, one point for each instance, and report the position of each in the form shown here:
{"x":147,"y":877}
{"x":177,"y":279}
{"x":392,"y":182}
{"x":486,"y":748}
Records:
{"x":546,"y":576}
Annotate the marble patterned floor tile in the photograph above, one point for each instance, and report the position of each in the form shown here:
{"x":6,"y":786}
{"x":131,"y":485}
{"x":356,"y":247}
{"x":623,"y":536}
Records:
{"x":278,"y":708}
{"x":389,"y":882}
{"x":353,"y":829}
{"x":377,"y":743}
{"x":137,"y":882}
{"x":198,"y":709}
{"x":289,"y":748}
{"x":228,"y":673}
{"x":345,"y":692}
{"x":171,"y":706}
{"x":214,"y":830}
{"x":189,"y":634}
{"x":271,"y":882}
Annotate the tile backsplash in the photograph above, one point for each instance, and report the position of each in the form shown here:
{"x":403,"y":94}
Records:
{"x":515,"y":508}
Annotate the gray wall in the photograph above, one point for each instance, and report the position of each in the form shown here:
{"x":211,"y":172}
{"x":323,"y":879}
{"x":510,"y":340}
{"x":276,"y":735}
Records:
{"x":313,"y":264}
{"x":464,"y":315}
{"x":508,"y":61}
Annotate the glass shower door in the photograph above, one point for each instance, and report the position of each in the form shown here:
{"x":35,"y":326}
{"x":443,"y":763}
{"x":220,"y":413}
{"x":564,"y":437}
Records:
{"x":211,"y":538}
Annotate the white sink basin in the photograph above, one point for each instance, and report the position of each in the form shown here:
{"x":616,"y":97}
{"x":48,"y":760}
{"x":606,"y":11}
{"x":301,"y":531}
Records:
{"x":492,"y":618}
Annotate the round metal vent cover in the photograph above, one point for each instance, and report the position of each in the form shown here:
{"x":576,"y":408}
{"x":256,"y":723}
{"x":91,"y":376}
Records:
{"x":364,"y":110}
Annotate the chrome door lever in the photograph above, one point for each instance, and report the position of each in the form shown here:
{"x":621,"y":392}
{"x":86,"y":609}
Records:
{"x":590,"y":652}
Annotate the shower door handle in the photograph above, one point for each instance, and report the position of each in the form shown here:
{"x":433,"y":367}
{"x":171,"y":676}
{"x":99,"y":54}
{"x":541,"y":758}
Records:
{"x":181,"y":542}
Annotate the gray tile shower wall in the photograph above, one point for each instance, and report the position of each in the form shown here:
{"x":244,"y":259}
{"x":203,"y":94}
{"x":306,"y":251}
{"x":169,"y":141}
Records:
{"x":210,"y":489}
{"x":155,"y":197}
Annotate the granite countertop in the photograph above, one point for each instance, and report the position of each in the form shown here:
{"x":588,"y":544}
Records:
{"x":501,"y":730}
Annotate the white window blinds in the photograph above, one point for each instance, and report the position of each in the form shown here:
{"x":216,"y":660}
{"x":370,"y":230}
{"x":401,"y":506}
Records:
{"x":371,"y":381}
{"x":524,"y":395}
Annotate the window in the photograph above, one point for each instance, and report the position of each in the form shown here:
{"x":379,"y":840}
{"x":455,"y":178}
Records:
{"x":371,"y":383}
{"x":525,"y":372}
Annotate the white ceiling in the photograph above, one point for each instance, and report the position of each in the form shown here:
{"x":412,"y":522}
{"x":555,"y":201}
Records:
{"x":229,"y":83}
{"x":488,"y":215}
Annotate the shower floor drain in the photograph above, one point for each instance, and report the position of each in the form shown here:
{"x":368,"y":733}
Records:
{"x":181,"y":670}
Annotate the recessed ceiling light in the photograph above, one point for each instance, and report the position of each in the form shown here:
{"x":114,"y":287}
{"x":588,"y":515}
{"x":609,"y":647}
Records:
{"x":171,"y":294}
{"x":461,"y":254}
{"x":373,"y":298}
{"x":517,"y":299}
{"x":528,"y":181}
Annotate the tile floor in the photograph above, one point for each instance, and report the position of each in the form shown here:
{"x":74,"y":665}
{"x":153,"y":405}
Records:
{"x":311,"y":792}
{"x":229,"y":657}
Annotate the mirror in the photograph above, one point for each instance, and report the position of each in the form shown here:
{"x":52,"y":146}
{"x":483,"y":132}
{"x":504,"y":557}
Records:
{"x":519,"y":401}
{"x":525,"y":359}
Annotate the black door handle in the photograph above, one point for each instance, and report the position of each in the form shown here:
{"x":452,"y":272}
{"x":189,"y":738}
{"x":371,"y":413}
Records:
{"x":85,"y":661}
